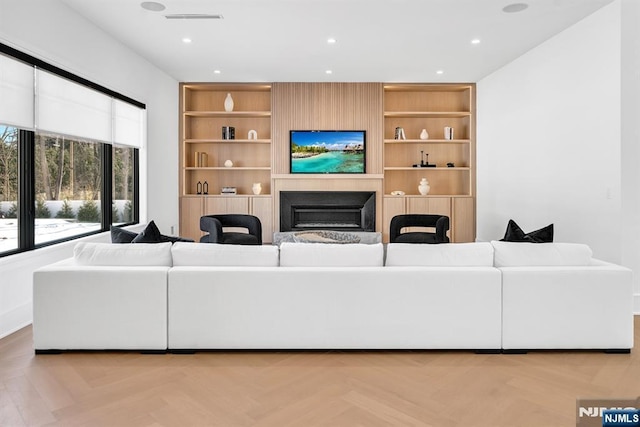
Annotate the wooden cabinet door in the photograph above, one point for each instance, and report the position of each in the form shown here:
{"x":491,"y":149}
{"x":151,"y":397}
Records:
{"x":226,"y":205}
{"x":190,"y":213}
{"x":464,"y":227}
{"x":392,"y":206}
{"x":262,"y":207}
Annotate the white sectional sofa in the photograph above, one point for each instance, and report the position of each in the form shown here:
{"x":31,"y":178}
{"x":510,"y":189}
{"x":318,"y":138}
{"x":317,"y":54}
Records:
{"x":191,"y":296}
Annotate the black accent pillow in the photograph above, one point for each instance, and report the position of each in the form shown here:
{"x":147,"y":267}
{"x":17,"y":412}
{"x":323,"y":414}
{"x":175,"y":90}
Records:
{"x":120,"y":235}
{"x":151,"y":234}
{"x":515,"y":234}
{"x":174,"y":239}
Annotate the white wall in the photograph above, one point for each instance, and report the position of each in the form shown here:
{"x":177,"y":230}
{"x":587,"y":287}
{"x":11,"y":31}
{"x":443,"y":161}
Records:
{"x":631,"y":140}
{"x":549,"y":138}
{"x":559,"y":142}
{"x":53,"y":32}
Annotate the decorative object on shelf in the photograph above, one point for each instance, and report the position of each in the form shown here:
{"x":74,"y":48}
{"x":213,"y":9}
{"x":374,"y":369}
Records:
{"x":256,"y":188}
{"x":205,"y":188}
{"x":228,"y":164}
{"x":451,"y":165}
{"x":229,"y":190}
{"x":228,"y":132}
{"x":399,"y":134}
{"x":448,"y":132}
{"x":252,"y":134}
{"x":397,"y":193}
{"x":228,"y":103}
{"x":424,"y":187}
{"x":424,"y":134}
{"x":199,"y":188}
{"x":201,"y":159}
{"x":422,"y":163}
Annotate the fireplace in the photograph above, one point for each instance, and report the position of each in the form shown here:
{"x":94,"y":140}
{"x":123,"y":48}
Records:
{"x":328,"y":210}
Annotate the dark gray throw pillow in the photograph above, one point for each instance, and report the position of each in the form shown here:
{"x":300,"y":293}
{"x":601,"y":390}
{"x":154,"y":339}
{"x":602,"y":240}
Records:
{"x":120,"y":235}
{"x":515,"y":234}
{"x":151,"y":234}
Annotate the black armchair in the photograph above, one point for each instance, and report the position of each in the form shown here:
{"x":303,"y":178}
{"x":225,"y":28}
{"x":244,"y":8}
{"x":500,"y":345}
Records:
{"x":439,"y":222}
{"x":214,"y":225}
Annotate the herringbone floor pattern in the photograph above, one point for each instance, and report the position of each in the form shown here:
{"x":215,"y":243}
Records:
{"x":333,"y":388}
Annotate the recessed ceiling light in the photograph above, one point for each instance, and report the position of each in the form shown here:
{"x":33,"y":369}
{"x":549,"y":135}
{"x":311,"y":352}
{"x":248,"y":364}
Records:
{"x":216,"y":71}
{"x":439,"y":72}
{"x":515,"y":7}
{"x":152,"y":6}
{"x":475,"y":41}
{"x":186,"y":40}
{"x":331,"y":40}
{"x":329,"y":72}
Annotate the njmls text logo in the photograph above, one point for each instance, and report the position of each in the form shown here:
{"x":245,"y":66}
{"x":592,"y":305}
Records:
{"x":608,"y":412}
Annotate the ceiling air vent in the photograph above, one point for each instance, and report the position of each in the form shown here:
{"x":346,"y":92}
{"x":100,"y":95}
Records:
{"x":192,"y":16}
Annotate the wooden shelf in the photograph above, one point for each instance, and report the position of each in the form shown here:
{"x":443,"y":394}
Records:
{"x":250,"y":114}
{"x":410,"y":168}
{"x":233,"y":168}
{"x":427,"y":141}
{"x":227,"y":141}
{"x":427,"y":114}
{"x":433,"y":107}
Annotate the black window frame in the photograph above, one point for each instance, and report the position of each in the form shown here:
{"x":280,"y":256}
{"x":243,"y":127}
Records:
{"x":26,"y":171}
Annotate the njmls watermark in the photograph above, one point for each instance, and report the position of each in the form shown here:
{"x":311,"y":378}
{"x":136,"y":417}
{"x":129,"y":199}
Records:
{"x":608,"y":412}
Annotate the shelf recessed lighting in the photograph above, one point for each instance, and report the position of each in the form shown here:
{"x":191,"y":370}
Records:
{"x":439,"y":72}
{"x":152,"y":6}
{"x":216,"y":71}
{"x":515,"y":7}
{"x":329,"y":72}
{"x":186,"y":40}
{"x":331,"y":40}
{"x":475,"y":41}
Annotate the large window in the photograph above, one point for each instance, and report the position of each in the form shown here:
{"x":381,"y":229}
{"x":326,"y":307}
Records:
{"x":123,"y":184}
{"x":68,"y":187}
{"x":8,"y":188}
{"x":68,"y":154}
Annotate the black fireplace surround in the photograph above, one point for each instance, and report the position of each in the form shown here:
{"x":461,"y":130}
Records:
{"x":327,"y":210}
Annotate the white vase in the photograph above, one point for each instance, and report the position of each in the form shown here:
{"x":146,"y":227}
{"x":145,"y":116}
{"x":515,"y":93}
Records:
{"x":252,"y":134}
{"x":424,"y":187}
{"x":228,"y":163}
{"x":228,"y":103}
{"x":257,"y":188}
{"x":424,"y":134}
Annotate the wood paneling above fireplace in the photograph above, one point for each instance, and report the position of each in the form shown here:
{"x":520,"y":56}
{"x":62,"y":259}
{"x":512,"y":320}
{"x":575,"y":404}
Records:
{"x":326,"y":106}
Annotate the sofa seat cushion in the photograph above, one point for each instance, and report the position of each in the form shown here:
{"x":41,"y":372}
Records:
{"x":330,"y":255}
{"x":441,"y":255}
{"x":509,"y":254}
{"x":107,"y":254}
{"x":217,"y":255}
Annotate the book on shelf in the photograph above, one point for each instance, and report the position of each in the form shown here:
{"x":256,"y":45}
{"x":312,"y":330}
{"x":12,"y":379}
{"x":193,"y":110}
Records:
{"x":201,"y":159}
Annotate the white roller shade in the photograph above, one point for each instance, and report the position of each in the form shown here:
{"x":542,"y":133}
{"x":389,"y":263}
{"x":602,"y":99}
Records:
{"x":129,"y":124}
{"x":16,"y":93}
{"x":72,"y":109}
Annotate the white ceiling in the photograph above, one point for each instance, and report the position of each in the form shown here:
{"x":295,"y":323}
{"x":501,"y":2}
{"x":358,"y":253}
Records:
{"x":377,"y":40}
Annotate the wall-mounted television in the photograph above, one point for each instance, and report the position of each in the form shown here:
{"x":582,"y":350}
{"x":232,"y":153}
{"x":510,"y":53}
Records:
{"x":328,"y":151}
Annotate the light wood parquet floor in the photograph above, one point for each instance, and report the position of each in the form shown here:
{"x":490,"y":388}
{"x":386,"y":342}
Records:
{"x":333,"y":388}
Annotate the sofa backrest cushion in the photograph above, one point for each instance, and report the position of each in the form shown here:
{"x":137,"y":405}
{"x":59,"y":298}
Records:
{"x":218,"y":255}
{"x":510,"y":254}
{"x":331,"y":255}
{"x":440,"y":255}
{"x":108,"y":254}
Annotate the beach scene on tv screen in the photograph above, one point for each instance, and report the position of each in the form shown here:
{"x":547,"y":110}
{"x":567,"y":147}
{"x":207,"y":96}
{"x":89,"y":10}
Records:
{"x":327,"y":152}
